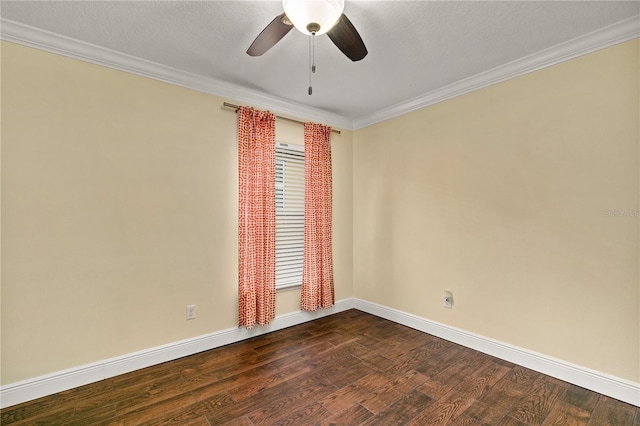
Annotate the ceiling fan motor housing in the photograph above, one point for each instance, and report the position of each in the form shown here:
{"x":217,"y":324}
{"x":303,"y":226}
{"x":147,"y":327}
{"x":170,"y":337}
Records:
{"x":313,"y":16}
{"x":313,"y":27}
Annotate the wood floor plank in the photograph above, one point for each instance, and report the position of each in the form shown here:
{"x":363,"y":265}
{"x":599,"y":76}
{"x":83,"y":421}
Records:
{"x":499,"y":398}
{"x":350,"y":368}
{"x":337,"y":369}
{"x":444,"y":410}
{"x":392,"y":391}
{"x":135,"y":398}
{"x":352,"y":371}
{"x":402,"y":410}
{"x":274,"y":411}
{"x":510,"y":421}
{"x":311,"y":414}
{"x":258,"y":383}
{"x":479,"y":414}
{"x":93,"y":416}
{"x":211,"y":398}
{"x":611,"y":412}
{"x":353,"y":415}
{"x":300,"y":389}
{"x":398,"y":346}
{"x":434,"y":355}
{"x":156,"y":412}
{"x":452,"y":376}
{"x":94,"y":396}
{"x":482,"y":379}
{"x":519,"y":379}
{"x":376,"y":361}
{"x":445,"y":354}
{"x":309,"y":350}
{"x":285,"y":347}
{"x":534,"y":406}
{"x":581,"y":398}
{"x":240,"y":421}
{"x":348,"y":395}
{"x":565,"y":414}
{"x":51,"y":407}
{"x":262,"y":374}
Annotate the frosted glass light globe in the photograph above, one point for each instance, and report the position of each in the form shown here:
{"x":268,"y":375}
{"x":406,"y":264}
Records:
{"x":325,"y":13}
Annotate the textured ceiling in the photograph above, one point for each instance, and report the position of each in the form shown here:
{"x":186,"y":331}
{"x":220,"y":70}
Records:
{"x":415,"y":47}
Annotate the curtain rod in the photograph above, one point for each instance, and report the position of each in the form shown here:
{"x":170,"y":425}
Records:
{"x":236,"y":107}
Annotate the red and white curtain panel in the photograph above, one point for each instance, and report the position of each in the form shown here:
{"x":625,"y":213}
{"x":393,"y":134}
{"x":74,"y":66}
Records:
{"x":317,"y":269}
{"x":256,"y":217}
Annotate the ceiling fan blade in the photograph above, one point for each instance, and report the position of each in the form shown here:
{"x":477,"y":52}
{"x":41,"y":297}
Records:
{"x":345,"y":36}
{"x":269,"y":36}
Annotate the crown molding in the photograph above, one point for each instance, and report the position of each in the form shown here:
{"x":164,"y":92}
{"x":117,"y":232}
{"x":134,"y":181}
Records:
{"x":44,"y":40}
{"x":66,"y":46}
{"x":619,"y":32}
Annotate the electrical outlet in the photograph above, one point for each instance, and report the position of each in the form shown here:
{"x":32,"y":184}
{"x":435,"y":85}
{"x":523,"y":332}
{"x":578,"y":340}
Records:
{"x":447,"y":299}
{"x":191,"y":312}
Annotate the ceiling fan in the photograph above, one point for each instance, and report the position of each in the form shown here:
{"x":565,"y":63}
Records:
{"x":312,"y":17}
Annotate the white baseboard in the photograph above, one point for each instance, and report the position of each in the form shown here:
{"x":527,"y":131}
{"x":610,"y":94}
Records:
{"x":27,"y":390}
{"x":30,"y":389}
{"x":596,"y":381}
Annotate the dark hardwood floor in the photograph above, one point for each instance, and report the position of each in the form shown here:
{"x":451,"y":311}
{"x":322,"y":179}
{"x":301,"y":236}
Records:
{"x":350,"y":368}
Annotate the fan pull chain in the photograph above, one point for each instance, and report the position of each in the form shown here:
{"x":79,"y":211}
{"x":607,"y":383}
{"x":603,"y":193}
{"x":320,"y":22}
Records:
{"x":313,"y":52}
{"x":312,"y":58}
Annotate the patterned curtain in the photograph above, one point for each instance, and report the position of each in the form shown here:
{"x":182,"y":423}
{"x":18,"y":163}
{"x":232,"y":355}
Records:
{"x":317,"y":269}
{"x":256,"y":217}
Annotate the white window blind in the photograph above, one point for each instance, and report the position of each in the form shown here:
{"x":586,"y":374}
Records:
{"x":289,"y":214}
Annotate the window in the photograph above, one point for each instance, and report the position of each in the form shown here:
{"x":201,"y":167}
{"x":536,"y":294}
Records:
{"x":289,"y":214}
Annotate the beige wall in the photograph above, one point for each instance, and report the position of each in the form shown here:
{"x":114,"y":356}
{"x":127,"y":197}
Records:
{"x":502,"y":196}
{"x":119,"y":208}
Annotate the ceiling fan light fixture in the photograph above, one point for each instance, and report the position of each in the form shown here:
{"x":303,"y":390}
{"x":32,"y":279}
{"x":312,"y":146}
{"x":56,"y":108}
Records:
{"x":308,"y":15}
